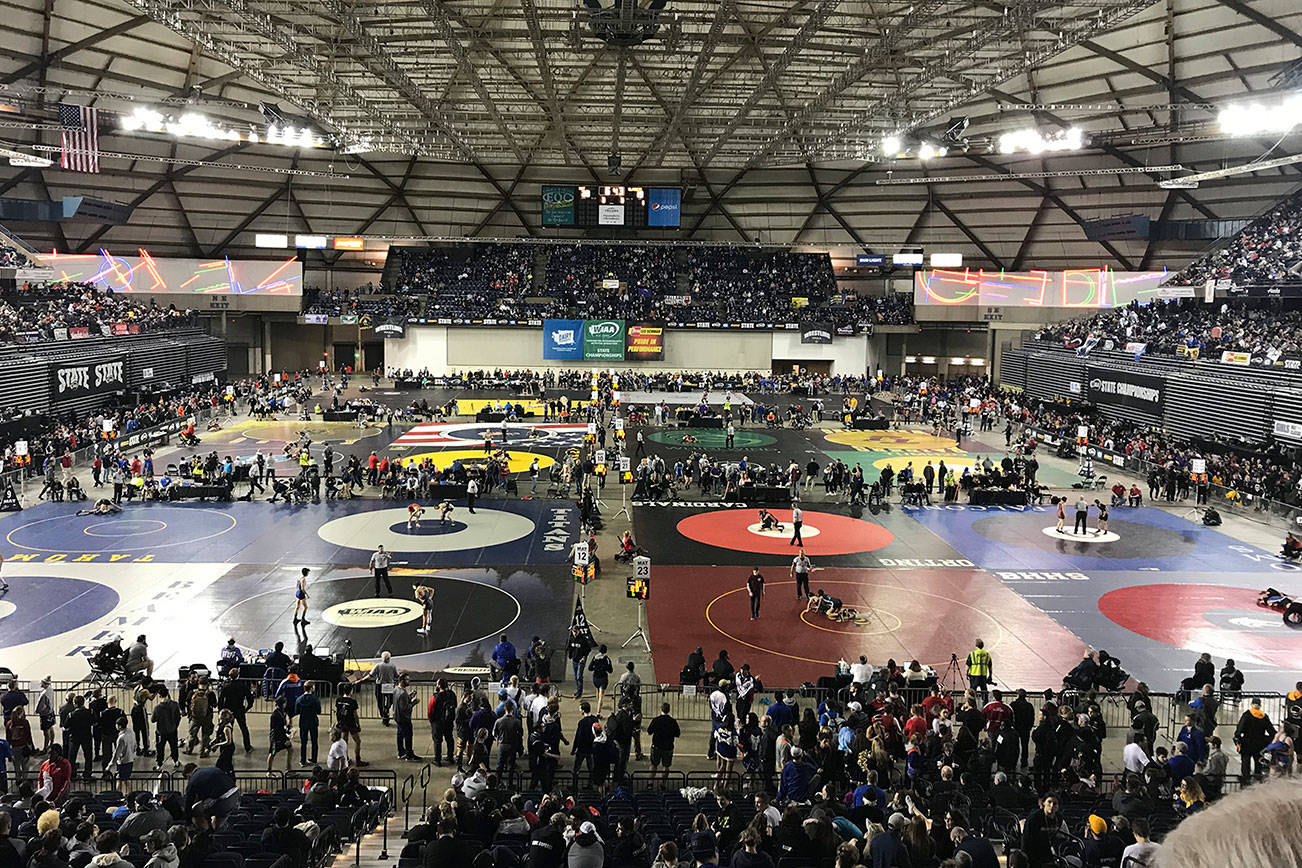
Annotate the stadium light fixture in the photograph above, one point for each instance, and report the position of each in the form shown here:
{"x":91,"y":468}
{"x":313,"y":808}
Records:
{"x":193,"y":125}
{"x":1035,"y":142}
{"x":1250,"y":119}
{"x":892,"y":146}
{"x":928,"y":151}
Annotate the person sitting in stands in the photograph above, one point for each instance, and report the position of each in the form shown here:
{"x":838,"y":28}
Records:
{"x":103,"y":506}
{"x":768,"y":522}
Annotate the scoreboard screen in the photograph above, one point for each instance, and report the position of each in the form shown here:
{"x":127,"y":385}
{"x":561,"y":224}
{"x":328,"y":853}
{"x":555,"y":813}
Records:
{"x":586,"y":207}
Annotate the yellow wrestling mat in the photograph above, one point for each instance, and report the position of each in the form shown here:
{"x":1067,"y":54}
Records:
{"x":518,"y":462}
{"x":884,"y":441}
{"x":472,"y":406}
{"x":899,"y":462}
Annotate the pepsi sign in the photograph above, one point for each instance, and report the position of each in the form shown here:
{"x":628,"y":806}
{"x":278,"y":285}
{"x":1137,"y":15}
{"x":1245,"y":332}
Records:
{"x":664,"y":207}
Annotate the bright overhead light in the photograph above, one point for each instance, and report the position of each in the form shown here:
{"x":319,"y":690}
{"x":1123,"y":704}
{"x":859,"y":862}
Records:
{"x":891,"y":145}
{"x":193,"y":125}
{"x":1250,"y":119}
{"x":927,"y":151}
{"x":1035,"y":142}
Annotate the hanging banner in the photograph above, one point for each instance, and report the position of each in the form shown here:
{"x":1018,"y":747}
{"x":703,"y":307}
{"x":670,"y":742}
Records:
{"x":1128,"y":389}
{"x":603,"y":340}
{"x":75,"y":380}
{"x":557,"y":206}
{"x":645,"y":342}
{"x":816,"y":333}
{"x":563,"y":339}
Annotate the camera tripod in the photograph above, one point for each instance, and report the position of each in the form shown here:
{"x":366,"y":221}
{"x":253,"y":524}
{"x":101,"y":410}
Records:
{"x":952,"y":677}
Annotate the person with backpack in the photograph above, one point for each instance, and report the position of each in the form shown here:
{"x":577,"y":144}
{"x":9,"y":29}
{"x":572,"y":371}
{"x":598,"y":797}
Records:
{"x":200,"y":710}
{"x":442,"y":712}
{"x":630,"y":694}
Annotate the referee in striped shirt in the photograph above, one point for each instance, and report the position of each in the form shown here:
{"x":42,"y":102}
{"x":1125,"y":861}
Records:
{"x":380,"y":560}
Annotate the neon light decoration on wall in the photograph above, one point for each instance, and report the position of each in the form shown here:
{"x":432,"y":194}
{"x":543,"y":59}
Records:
{"x":1075,"y":287}
{"x":144,"y":274}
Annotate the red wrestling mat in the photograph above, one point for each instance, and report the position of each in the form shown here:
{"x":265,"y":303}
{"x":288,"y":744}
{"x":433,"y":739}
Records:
{"x":922,"y":614}
{"x":1222,"y":620}
{"x":823,"y":533}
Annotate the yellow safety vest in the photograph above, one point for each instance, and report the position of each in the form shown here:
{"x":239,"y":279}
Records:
{"x":978,"y":662}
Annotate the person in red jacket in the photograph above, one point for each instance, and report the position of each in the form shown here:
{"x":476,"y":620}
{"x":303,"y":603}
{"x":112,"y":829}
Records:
{"x":916,"y":725}
{"x":58,"y":771}
{"x":998,"y":714}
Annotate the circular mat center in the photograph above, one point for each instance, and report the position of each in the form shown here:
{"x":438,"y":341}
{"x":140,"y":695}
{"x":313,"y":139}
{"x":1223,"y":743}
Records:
{"x":388,"y":527}
{"x":1090,"y":537}
{"x":6,"y":609}
{"x":123,"y":527}
{"x":428,"y":527}
{"x":372,"y":612}
{"x":785,"y":533}
{"x":837,"y":534}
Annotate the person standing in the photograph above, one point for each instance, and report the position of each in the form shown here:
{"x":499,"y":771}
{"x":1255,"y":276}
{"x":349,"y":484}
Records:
{"x":404,"y":700}
{"x":1082,"y":515}
{"x":731,"y":436}
{"x":347,"y":720}
{"x":1251,"y":736}
{"x":1103,"y":518}
{"x":167,"y":727}
{"x":385,"y":676}
{"x":380,"y":560}
{"x":300,"y":598}
{"x":797,"y":520}
{"x":577,"y":649}
{"x":307,"y":709}
{"x":237,"y":696}
{"x":279,"y":738}
{"x":442,"y":714}
{"x":472,"y":489}
{"x":1061,"y":503}
{"x":664,"y":731}
{"x":980,"y":669}
{"x":755,"y":588}
{"x":533,"y":475}
{"x":800,"y":567}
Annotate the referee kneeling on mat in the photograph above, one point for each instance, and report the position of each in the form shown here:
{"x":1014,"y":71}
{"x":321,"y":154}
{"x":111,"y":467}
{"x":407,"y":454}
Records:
{"x":380,"y":560}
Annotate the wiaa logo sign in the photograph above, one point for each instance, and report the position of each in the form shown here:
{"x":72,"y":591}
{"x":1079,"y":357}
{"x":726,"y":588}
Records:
{"x":603,"y":329}
{"x":370,"y":613}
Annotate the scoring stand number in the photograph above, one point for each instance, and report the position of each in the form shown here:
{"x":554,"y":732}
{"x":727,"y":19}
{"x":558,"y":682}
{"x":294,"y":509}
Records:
{"x":639,"y":589}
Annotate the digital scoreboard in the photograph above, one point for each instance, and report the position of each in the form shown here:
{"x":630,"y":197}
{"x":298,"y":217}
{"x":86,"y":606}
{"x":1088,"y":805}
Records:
{"x":587,"y":207}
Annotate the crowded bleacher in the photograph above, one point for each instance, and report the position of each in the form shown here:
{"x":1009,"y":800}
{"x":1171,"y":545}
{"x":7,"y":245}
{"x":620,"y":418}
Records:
{"x":711,"y":284}
{"x":1260,"y":327}
{"x":1267,"y":251}
{"x":12,"y":257}
{"x":40,"y":312}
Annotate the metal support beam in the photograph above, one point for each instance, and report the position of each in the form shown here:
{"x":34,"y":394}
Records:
{"x":969,"y":234}
{"x":1031,"y":231}
{"x":1264,"y":20}
{"x":171,"y":174}
{"x":823,"y":205}
{"x":1053,"y":197}
{"x":94,"y":39}
{"x":281,"y":190}
{"x":816,"y":19}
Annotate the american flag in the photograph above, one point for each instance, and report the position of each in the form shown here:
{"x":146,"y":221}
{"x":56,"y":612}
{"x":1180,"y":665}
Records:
{"x":80,"y":137}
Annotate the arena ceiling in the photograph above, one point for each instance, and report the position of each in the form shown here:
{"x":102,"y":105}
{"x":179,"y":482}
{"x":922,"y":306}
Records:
{"x":450,"y":115}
